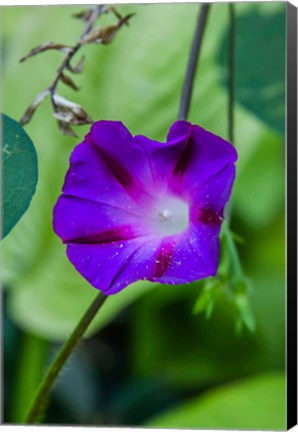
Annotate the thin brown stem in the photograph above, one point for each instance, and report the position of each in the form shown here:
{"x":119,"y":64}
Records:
{"x":98,"y":10}
{"x":193,"y":62}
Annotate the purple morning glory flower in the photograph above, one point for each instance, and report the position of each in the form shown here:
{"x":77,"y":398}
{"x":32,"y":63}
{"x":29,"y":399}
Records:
{"x":133,"y":208}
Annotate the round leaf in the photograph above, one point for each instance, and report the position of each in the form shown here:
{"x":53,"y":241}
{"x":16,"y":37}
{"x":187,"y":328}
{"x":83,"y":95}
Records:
{"x":19,"y":172}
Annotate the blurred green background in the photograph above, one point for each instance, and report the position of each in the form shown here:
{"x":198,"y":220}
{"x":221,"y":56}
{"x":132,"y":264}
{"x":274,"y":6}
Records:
{"x":148,"y":359}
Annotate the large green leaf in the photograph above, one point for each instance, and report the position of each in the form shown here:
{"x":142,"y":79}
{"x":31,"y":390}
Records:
{"x":53,"y":310}
{"x":48,"y":296}
{"x":257,"y":402}
{"x":259,"y":191}
{"x":260,"y":57}
{"x":19,"y":161}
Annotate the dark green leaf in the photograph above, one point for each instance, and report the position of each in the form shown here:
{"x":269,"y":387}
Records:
{"x":19,"y":172}
{"x":260,"y":64}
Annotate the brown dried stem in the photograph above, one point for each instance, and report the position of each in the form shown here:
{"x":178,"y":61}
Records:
{"x":66,"y":112}
{"x":68,"y":57}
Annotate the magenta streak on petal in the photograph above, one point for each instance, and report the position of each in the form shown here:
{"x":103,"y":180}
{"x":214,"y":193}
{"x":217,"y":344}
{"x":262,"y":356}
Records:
{"x":208,"y":216}
{"x":127,"y":263}
{"x":117,"y":234}
{"x":163,"y":258}
{"x":184,"y":159}
{"x":107,"y":204}
{"x":119,"y":172}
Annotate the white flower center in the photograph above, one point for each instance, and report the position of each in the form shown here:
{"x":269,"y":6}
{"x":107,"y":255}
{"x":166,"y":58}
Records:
{"x":171,"y":216}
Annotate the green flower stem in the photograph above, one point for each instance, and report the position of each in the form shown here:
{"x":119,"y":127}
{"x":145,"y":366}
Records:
{"x":236,"y":268}
{"x":39,"y":400}
{"x":32,"y":354}
{"x":193,"y":62}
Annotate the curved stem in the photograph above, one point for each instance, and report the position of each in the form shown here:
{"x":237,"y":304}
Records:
{"x":231,"y":71}
{"x":98,"y":10}
{"x":193,"y":62}
{"x":66,"y":350}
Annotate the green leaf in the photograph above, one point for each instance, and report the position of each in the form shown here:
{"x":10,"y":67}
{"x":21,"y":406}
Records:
{"x":47,"y":296}
{"x":243,"y":306}
{"x":260,"y":52}
{"x":53,"y":310}
{"x":259,"y":189}
{"x":257,"y":402}
{"x":207,"y":297}
{"x":230,"y":282}
{"x":19,"y":172}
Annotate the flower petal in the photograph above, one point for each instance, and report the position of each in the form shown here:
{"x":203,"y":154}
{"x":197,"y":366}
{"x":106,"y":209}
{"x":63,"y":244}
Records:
{"x":164,"y":156}
{"x":189,"y":158}
{"x":204,"y":155}
{"x":111,"y":267}
{"x":212,"y":195}
{"x":88,"y":177}
{"x":118,"y":192}
{"x":79,"y":220}
{"x":189,"y":256}
{"x":122,"y":154}
{"x":178,"y":259}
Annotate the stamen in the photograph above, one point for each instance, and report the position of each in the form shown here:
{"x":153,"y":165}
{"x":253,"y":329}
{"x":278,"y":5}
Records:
{"x":171,"y":216}
{"x":165,"y":214}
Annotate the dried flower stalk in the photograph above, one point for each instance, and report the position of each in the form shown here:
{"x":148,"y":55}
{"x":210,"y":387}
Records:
{"x":66,"y":112}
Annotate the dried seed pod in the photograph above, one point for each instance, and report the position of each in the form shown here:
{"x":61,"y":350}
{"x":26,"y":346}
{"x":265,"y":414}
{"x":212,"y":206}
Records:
{"x":68,"y":81}
{"x":115,"y":12}
{"x":84,"y":14}
{"x":70,"y":112}
{"x":66,"y":112}
{"x":45,"y":47}
{"x":32,"y":108}
{"x":78,"y":68}
{"x":94,"y":36}
{"x":66,"y":129}
{"x":106,"y":34}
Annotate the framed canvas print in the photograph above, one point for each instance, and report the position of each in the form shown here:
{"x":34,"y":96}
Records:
{"x":149,"y":206}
